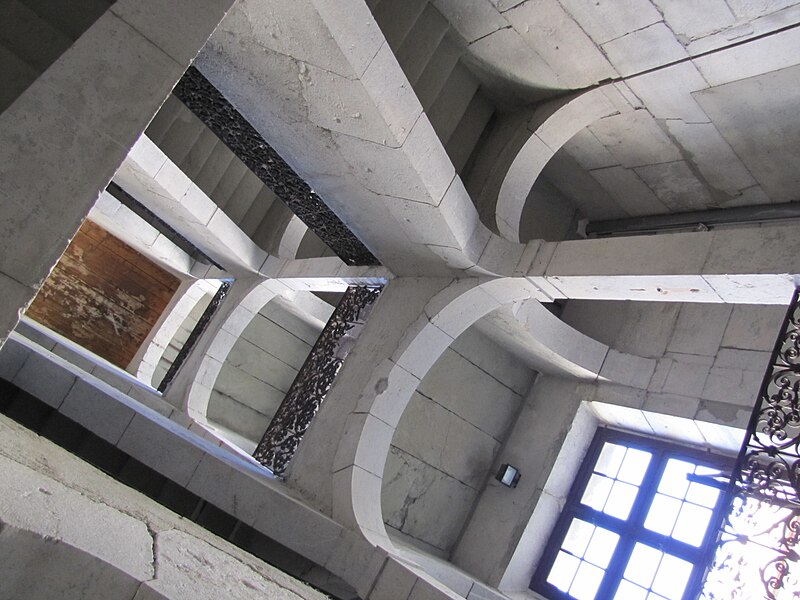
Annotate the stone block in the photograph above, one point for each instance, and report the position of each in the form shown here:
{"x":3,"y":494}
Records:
{"x":473,"y":20}
{"x":394,"y":582}
{"x":670,"y":404}
{"x":676,"y":186}
{"x":729,"y":386}
{"x":635,"y":139}
{"x":99,"y":408}
{"x":392,"y":95}
{"x":686,"y":379}
{"x":547,"y":28}
{"x":644,"y":49}
{"x":722,"y":437}
{"x":45,"y":377}
{"x":769,"y":53}
{"x":160,"y":447}
{"x":745,"y":360}
{"x":585,"y":148}
{"x":675,"y":428}
{"x":712,"y":154}
{"x":753,"y":327}
{"x":471,"y":393}
{"x":606,"y":22}
{"x":629,"y":191}
{"x":699,"y":329}
{"x":627,"y":369}
{"x":12,"y":357}
{"x":691,"y":20}
{"x":364,"y":442}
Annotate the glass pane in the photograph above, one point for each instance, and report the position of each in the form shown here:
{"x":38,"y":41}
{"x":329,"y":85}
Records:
{"x":634,"y":466}
{"x":672,"y":576}
{"x":577,"y":538}
{"x":597,"y":491}
{"x":673,"y":481}
{"x":563,"y":571}
{"x":662,"y":514}
{"x":629,"y":591}
{"x":621,"y":500}
{"x":586,"y":582}
{"x":601,"y":547}
{"x":610,"y":459}
{"x":692,"y":524}
{"x":642,"y":565}
{"x":652,"y":596}
{"x":702,"y":494}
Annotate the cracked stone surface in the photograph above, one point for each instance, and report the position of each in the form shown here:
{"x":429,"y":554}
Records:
{"x":69,"y":531}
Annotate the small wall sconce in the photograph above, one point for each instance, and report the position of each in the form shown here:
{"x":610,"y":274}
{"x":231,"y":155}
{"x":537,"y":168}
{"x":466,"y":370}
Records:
{"x":508,"y":475}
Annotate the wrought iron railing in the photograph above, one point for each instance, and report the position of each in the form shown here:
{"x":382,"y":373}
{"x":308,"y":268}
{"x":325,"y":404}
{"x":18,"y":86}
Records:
{"x":197,"y":331}
{"x":311,"y":385}
{"x":757,"y":556}
{"x":229,"y":125}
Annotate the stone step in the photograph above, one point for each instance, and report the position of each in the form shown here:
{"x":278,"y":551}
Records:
{"x":464,"y":139}
{"x":258,"y":210}
{"x":452,"y":102}
{"x":29,"y":36}
{"x":396,"y":18}
{"x":71,"y":18}
{"x":181,"y":136}
{"x":227,"y":184}
{"x":416,"y":51}
{"x":198,"y":154}
{"x":242,"y":199}
{"x":214,"y":168}
{"x":267,"y":235}
{"x":164,"y":119}
{"x":17,"y":76}
{"x":430,"y":82}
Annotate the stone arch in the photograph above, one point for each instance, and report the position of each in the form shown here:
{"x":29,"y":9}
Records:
{"x":229,"y":330}
{"x":552,"y":125}
{"x":364,"y":447}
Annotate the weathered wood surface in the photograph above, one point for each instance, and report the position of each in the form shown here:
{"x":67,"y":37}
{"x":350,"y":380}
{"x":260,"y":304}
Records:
{"x":103,"y":295}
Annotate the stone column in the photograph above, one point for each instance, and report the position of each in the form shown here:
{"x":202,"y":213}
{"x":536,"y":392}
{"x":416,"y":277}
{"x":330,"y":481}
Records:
{"x":62,"y":140}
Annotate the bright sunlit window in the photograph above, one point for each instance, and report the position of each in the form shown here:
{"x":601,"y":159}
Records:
{"x":639,"y":523}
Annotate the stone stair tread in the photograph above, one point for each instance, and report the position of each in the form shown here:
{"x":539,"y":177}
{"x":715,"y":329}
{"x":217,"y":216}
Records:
{"x":242,"y":199}
{"x":181,"y":135}
{"x":258,"y":210}
{"x":396,"y":18}
{"x":34,"y":40}
{"x":466,"y":135}
{"x":164,"y":119}
{"x":71,"y":18}
{"x":422,"y":41}
{"x":199,"y":153}
{"x":430,"y":82}
{"x":214,"y":168}
{"x":453,"y":100}
{"x":17,"y":75}
{"x":268,"y":233}
{"x":227,"y":184}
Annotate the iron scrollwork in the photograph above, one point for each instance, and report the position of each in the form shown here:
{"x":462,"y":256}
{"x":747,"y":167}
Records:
{"x":314,"y":380}
{"x":228,"y":124}
{"x":760,"y":537}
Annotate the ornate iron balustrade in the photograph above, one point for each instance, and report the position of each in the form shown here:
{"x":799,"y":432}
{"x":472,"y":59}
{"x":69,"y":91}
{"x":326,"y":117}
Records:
{"x":228,"y":124}
{"x":757,"y":555}
{"x":198,"y":330}
{"x":311,"y":385}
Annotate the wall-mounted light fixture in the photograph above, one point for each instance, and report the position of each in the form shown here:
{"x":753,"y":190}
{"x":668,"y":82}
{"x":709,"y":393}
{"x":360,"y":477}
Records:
{"x":508,"y":475}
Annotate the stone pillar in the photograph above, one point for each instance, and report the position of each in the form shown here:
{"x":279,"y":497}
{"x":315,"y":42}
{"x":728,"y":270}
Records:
{"x":62,"y":140}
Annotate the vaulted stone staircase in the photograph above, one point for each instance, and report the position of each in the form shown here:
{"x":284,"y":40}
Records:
{"x":34,"y":33}
{"x":224,"y":178}
{"x":427,"y":48}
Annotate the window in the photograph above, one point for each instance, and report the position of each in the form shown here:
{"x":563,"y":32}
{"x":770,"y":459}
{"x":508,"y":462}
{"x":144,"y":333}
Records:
{"x":639,"y":523}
